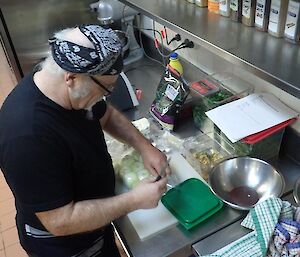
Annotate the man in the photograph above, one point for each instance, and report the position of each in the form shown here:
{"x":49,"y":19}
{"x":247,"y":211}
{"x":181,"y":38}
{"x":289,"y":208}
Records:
{"x":53,"y":153}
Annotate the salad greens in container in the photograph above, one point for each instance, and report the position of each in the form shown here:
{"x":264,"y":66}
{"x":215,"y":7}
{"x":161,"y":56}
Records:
{"x":213,"y":91}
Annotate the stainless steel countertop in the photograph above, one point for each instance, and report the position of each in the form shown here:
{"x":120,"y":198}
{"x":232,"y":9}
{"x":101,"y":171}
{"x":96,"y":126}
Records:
{"x":274,"y":60}
{"x":226,"y":236}
{"x":176,"y":241}
{"x":205,"y":238}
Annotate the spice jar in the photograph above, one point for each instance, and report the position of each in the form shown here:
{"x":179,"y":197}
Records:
{"x":292,"y":25}
{"x":201,"y":3}
{"x":248,"y":12}
{"x":236,"y":10}
{"x":224,"y":8}
{"x":277,"y":19}
{"x":262,"y":14}
{"x":213,"y":6}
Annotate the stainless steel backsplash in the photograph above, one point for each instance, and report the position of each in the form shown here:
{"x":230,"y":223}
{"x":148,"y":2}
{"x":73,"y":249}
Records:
{"x":30,"y":23}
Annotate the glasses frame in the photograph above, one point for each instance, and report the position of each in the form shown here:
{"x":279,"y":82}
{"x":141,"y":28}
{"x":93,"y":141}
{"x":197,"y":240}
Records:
{"x":109,"y":92}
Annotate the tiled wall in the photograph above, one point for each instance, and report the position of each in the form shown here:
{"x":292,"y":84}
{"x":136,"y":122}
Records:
{"x":211,"y":63}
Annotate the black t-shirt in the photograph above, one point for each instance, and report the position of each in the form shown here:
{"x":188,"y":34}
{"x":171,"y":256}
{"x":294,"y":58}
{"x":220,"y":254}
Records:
{"x":51,"y":156}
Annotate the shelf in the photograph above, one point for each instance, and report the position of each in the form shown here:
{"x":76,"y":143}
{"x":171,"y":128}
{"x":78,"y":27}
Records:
{"x":272,"y":59}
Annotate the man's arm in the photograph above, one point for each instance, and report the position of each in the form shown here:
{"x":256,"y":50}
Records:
{"x":117,"y":125}
{"x":89,"y":215}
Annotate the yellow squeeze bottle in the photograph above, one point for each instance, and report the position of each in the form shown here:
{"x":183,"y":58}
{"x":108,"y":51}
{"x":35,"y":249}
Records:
{"x":175,"y":63}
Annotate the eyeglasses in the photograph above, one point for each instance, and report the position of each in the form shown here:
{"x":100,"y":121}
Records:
{"x":109,"y":92}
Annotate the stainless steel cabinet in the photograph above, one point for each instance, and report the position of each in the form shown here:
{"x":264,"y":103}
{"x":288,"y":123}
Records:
{"x":30,"y":23}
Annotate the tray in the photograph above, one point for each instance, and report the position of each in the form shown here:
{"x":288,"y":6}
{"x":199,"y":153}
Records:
{"x":191,"y":202}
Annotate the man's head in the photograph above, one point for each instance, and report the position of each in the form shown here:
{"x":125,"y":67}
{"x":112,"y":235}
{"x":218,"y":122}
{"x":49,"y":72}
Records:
{"x":89,"y":59}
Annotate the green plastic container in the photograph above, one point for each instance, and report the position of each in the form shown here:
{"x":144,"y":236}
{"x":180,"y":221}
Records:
{"x":191,"y":202}
{"x":213,"y":91}
{"x":263,"y":145}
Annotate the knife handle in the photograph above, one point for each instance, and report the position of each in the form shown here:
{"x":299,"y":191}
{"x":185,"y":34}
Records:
{"x":157,"y":178}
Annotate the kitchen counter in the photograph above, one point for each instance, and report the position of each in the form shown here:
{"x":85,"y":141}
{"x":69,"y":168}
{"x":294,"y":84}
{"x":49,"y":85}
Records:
{"x":176,"y":241}
{"x":226,"y":236}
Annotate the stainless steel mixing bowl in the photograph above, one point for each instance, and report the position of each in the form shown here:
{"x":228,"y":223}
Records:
{"x":242,"y":182}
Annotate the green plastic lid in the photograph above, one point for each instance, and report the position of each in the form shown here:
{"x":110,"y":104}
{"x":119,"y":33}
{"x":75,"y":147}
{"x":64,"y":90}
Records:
{"x":191,"y":202}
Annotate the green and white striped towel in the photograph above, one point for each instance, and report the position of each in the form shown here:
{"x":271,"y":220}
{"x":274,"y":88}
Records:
{"x":262,"y":220}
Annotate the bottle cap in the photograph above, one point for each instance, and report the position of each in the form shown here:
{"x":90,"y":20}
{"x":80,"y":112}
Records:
{"x":173,"y":55}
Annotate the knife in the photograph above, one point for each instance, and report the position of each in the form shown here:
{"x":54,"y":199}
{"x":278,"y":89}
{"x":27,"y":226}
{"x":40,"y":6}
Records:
{"x":162,"y":171}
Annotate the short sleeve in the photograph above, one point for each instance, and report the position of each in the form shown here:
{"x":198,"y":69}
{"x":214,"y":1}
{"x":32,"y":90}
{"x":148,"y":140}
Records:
{"x":38,"y":171}
{"x":99,"y":109}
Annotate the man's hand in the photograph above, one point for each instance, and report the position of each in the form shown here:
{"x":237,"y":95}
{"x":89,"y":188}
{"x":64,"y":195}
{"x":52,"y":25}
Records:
{"x":118,"y":126}
{"x":148,"y":193}
{"x":155,"y":161}
{"x":88,"y":215}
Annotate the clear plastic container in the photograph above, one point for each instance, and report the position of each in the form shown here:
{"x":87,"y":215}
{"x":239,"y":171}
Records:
{"x":203,"y":152}
{"x":263,"y":145}
{"x":213,"y":91}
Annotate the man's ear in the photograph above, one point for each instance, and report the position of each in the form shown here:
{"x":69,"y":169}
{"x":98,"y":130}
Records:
{"x":70,"y":78}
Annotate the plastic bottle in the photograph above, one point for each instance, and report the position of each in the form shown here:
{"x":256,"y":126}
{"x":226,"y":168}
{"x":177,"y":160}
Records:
{"x":224,"y":8}
{"x":236,"y":10}
{"x":262,"y":14}
{"x":292,"y":24}
{"x":213,"y":6}
{"x":277,"y":17}
{"x":248,"y":12}
{"x":175,"y":63}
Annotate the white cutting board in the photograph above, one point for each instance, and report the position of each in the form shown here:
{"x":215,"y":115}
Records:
{"x":150,"y":222}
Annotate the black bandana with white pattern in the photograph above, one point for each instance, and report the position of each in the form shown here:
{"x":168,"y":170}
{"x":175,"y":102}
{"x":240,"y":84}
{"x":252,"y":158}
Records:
{"x":105,"y":59}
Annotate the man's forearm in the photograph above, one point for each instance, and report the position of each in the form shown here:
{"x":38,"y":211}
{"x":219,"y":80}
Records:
{"x":86,"y":215}
{"x":121,"y":128}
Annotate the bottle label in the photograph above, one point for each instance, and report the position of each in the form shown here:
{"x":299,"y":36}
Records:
{"x":224,"y":6}
{"x":260,"y":12}
{"x":171,"y":92}
{"x":234,"y":5}
{"x":274,"y":16}
{"x":291,"y":19}
{"x":246,"y":11}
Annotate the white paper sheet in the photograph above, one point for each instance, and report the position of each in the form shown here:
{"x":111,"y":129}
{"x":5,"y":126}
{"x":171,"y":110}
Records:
{"x":250,"y":115}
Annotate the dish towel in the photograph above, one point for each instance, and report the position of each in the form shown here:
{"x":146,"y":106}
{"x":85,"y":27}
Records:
{"x":276,"y":232}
